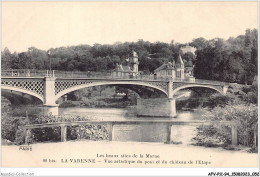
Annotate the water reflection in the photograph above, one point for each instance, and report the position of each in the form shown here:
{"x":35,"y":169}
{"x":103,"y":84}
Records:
{"x":105,"y":114}
{"x":156,"y":131}
{"x":141,"y":132}
{"x":119,"y":114}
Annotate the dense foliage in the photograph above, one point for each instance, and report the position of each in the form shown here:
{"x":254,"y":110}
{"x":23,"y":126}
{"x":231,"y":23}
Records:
{"x":12,"y":131}
{"x":240,"y":106}
{"x":246,"y":118}
{"x":232,"y":60}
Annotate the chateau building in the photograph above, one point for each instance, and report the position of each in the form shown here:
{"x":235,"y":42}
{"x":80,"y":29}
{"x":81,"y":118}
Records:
{"x":172,"y":70}
{"x":127,"y":71}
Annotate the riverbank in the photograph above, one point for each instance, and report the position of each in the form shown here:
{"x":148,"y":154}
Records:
{"x":175,"y":155}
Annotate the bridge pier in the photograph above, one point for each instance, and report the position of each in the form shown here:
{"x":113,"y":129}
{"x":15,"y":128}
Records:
{"x":51,"y":110}
{"x":50,"y":106}
{"x":156,"y":107}
{"x":225,"y":88}
{"x":49,"y":91}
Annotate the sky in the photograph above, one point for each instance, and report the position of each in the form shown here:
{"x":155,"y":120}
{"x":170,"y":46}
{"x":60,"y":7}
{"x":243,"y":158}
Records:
{"x":46,"y":25}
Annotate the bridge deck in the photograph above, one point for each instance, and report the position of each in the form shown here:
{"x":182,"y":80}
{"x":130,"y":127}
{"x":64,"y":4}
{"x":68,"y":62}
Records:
{"x":75,"y":75}
{"x":197,"y":81}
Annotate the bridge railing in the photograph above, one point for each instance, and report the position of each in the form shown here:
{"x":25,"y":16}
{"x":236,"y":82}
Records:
{"x":100,"y":75}
{"x":53,"y":73}
{"x":23,"y":73}
{"x":198,"y":81}
{"x":80,"y":74}
{"x":110,"y":126}
{"x":211,"y":82}
{"x":104,"y":75}
{"x":73,"y":74}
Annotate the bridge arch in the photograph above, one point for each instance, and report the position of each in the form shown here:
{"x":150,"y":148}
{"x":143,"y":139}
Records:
{"x":198,"y":85}
{"x":78,"y":87}
{"x":22,"y":91}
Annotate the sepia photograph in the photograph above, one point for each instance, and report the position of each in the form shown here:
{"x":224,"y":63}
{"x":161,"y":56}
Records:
{"x":129,"y":84}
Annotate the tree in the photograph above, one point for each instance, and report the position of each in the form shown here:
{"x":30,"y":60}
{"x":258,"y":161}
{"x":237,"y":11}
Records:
{"x":6,"y":59}
{"x":209,"y":64}
{"x":247,"y":53}
{"x":199,"y":43}
{"x":23,"y":61}
{"x":232,"y":60}
{"x":39,"y":58}
{"x":189,"y":59}
{"x":101,"y":64}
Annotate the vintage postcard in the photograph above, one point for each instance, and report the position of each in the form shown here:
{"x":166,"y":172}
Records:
{"x":130,"y":84}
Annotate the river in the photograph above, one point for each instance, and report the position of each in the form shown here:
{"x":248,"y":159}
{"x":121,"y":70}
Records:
{"x":119,"y":114}
{"x":157,"y":131}
{"x":141,"y":132}
{"x":101,"y":114}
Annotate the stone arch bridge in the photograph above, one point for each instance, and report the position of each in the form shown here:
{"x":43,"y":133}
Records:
{"x":157,"y":97}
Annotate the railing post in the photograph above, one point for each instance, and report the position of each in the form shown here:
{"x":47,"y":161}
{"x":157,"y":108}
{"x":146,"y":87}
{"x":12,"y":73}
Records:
{"x":234,"y":134}
{"x":169,"y":130}
{"x":63,"y":131}
{"x":27,"y":135}
{"x":110,"y":125}
{"x":27,"y":73}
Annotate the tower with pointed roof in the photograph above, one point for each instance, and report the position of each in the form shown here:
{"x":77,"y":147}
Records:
{"x":127,"y":71}
{"x":134,"y":62}
{"x":179,"y":68}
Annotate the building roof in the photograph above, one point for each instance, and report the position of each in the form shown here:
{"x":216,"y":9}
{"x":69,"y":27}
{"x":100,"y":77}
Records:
{"x":118,"y":68}
{"x":127,"y":69}
{"x":121,"y":68}
{"x":179,"y":60}
{"x":135,"y":54}
{"x":165,"y":66}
